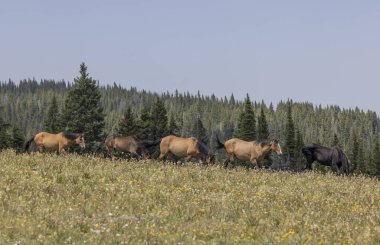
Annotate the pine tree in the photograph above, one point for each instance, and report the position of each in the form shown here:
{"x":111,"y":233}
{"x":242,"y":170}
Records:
{"x":335,"y":141}
{"x":246,"y":129}
{"x":17,"y":140}
{"x":159,"y":119}
{"x":262,"y":126}
{"x":199,"y":131}
{"x":361,"y":159}
{"x":82,"y":112}
{"x":290,"y":133}
{"x":376,"y":156}
{"x":5,"y":139}
{"x":355,"y":152}
{"x":173,"y":129}
{"x":51,"y":123}
{"x":127,"y":125}
{"x":298,"y":155}
{"x":144,"y":125}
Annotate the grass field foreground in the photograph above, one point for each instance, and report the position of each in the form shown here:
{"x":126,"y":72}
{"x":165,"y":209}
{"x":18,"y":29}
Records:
{"x":77,"y":199}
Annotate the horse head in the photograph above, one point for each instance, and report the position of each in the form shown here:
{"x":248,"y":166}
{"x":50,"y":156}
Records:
{"x":79,"y":140}
{"x":275,"y":146}
{"x":210,"y":158}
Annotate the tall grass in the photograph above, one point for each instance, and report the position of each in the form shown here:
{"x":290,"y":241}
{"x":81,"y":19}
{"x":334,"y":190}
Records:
{"x":75,"y":199}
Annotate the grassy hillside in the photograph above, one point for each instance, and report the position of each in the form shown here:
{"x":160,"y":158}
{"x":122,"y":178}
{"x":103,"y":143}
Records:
{"x":76,"y":199}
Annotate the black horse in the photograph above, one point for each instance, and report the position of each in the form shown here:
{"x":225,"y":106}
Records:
{"x":327,"y":156}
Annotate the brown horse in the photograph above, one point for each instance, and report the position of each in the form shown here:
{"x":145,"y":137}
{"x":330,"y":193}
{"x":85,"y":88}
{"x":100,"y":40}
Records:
{"x":248,"y":150}
{"x":185,"y":147}
{"x":128,"y":144}
{"x":58,"y":142}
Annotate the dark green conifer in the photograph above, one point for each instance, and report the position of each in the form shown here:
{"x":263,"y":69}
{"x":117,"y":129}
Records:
{"x":173,"y":128}
{"x":5,"y":139}
{"x":82,"y":112}
{"x":335,"y":140}
{"x":376,"y":156}
{"x":290,"y":133}
{"x":262,"y":126}
{"x":199,"y":131}
{"x":127,"y":125}
{"x":159,"y":119}
{"x":51,"y":123}
{"x":246,"y":128}
{"x":144,"y":125}
{"x":17,"y":140}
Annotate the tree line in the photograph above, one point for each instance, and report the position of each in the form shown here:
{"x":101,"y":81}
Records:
{"x":83,"y":106}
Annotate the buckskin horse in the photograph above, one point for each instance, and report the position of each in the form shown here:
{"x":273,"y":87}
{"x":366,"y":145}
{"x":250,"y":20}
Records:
{"x":185,"y":147}
{"x":252,"y":151}
{"x":58,"y":142}
{"x":128,"y":144}
{"x":327,"y":156}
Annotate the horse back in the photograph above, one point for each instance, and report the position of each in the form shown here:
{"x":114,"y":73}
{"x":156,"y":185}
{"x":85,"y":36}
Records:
{"x":48,"y":140}
{"x":128,"y":143}
{"x":177,"y":145}
{"x":241,"y":148}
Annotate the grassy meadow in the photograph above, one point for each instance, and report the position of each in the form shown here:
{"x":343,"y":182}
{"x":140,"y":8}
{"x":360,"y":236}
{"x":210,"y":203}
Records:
{"x":52,"y":199}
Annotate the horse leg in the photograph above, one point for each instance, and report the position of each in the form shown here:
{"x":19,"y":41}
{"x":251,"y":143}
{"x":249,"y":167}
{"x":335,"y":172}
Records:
{"x":254,"y":162}
{"x":310,"y":160}
{"x":162,"y":155}
{"x":62,"y":150}
{"x":335,"y":168}
{"x":188,"y":158}
{"x":226,"y":162}
{"x":40,"y":148}
{"x":230,"y":159}
{"x":145,"y":155}
{"x":170,"y":158}
{"x":198,"y":157}
{"x":134,"y":155}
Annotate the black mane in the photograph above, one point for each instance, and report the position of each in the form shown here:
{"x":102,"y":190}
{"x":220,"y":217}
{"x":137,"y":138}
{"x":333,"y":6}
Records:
{"x":263,"y":143}
{"x":70,"y":136}
{"x":202,"y":147}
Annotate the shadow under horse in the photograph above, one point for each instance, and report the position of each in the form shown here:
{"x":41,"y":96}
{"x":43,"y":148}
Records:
{"x":327,"y":156}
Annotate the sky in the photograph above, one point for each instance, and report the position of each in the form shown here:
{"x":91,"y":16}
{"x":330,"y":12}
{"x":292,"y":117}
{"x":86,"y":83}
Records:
{"x":325,"y":52}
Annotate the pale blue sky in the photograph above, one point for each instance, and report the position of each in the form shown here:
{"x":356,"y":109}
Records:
{"x":324,"y":52}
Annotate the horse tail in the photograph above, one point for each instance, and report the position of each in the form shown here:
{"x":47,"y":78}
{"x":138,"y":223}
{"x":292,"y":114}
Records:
{"x":149,"y":143}
{"x":346,"y":165}
{"x":101,"y":145}
{"x":27,"y":144}
{"x":219,"y":144}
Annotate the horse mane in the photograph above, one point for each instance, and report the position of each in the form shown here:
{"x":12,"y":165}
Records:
{"x":261,"y":143}
{"x":70,"y":136}
{"x":122,"y":136}
{"x":314,"y":146}
{"x":202,"y":147}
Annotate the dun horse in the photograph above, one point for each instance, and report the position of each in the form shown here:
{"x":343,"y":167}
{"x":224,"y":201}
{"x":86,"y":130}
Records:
{"x":58,"y":142}
{"x":129,"y":144}
{"x":185,"y":147}
{"x":333,"y":157}
{"x":248,"y":150}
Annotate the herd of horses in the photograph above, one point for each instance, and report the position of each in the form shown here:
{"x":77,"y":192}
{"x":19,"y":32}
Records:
{"x":193,"y":148}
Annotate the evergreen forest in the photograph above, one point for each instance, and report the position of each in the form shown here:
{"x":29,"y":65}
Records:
{"x":29,"y":106}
